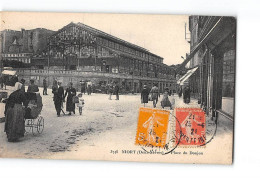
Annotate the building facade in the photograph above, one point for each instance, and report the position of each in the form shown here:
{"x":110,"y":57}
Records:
{"x":213,"y":54}
{"x":79,"y":52}
{"x":18,"y":47}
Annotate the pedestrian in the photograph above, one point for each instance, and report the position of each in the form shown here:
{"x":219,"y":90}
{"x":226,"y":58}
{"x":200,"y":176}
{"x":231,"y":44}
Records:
{"x":83,"y":86}
{"x":165,"y":100}
{"x":110,"y":91}
{"x":89,"y":87}
{"x":55,"y":83}
{"x":45,"y":86}
{"x":14,"y":114}
{"x":70,"y":105}
{"x":170,"y":92}
{"x":144,"y":95}
{"x":13,"y":80}
{"x":116,"y":90}
{"x":81,"y":103}
{"x":1,"y":82}
{"x":58,"y":97}
{"x":32,"y":88}
{"x":5,"y":80}
{"x":186,"y":95}
{"x":155,"y":94}
{"x":23,"y":85}
{"x":180,"y":91}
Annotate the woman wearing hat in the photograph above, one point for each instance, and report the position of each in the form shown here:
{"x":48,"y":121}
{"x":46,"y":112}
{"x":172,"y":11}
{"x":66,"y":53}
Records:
{"x":165,"y":101}
{"x":70,"y":91}
{"x":14,"y":114}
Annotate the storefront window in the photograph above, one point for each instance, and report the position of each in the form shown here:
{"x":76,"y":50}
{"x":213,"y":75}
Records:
{"x":228,"y":87}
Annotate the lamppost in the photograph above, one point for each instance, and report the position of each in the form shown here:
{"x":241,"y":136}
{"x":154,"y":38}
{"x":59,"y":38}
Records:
{"x":132,"y":73}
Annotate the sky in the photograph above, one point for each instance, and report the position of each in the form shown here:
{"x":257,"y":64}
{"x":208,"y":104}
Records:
{"x":163,"y":35}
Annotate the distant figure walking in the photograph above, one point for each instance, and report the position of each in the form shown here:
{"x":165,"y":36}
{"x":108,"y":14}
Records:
{"x":1,"y":82}
{"x":186,"y":95}
{"x":180,"y":91}
{"x":58,"y":92}
{"x":70,"y":91}
{"x":155,"y":95}
{"x":89,"y":87}
{"x":144,"y":95}
{"x":32,"y":88}
{"x":23,"y":85}
{"x":45,"y":86}
{"x":116,"y":90}
{"x":83,"y":87}
{"x":110,"y":91}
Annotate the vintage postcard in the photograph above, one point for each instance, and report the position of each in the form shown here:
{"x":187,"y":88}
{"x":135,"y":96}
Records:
{"x":121,"y":87}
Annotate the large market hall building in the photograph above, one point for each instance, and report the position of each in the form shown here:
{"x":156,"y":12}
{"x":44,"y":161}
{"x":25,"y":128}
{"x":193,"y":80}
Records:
{"x":79,"y":52}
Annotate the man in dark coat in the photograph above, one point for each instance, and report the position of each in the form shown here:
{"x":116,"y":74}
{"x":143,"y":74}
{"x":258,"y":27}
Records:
{"x":83,"y":87}
{"x":155,"y":94}
{"x":116,"y":90}
{"x":45,"y":86}
{"x":58,"y":92}
{"x":32,"y":87}
{"x":186,"y":95}
{"x":144,"y":95}
{"x":23,"y":85}
{"x":70,"y":105}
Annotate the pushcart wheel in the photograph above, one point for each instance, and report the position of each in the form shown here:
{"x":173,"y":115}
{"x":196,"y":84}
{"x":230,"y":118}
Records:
{"x":28,"y":125}
{"x":34,"y":127}
{"x":40,"y":124}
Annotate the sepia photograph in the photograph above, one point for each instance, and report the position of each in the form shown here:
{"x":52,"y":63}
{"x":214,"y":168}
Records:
{"x":120,"y":87}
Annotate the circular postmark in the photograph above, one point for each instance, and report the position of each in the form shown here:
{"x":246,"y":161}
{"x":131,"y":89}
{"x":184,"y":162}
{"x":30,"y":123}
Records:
{"x":186,"y":128}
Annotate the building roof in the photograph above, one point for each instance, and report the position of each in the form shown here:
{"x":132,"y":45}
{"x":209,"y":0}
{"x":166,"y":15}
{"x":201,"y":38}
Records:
{"x":106,"y":35}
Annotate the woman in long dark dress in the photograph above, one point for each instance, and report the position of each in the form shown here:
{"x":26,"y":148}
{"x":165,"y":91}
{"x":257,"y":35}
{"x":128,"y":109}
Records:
{"x":144,"y":95}
{"x":14,"y":113}
{"x":70,"y":91}
{"x":165,"y":101}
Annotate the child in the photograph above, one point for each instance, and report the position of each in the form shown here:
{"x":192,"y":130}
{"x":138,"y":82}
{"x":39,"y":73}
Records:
{"x":81,"y":103}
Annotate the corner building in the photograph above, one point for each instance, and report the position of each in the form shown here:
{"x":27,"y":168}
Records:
{"x":212,"y":60}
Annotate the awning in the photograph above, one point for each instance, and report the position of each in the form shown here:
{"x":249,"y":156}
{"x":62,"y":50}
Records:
{"x":8,"y":72}
{"x":186,"y":76}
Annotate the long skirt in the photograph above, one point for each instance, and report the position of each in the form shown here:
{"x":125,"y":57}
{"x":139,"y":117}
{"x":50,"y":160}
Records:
{"x":14,"y":124}
{"x":166,"y":102}
{"x":70,"y":106}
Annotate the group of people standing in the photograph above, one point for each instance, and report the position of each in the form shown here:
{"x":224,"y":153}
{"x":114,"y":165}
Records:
{"x":113,"y":88}
{"x":86,"y":86}
{"x":154,"y":94}
{"x":60,"y":95}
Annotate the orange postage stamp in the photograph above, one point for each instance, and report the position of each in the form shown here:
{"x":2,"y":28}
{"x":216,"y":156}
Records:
{"x":152,"y":127}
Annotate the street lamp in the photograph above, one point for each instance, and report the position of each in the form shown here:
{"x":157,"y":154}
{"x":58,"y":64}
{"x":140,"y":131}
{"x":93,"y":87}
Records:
{"x":132,"y":73}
